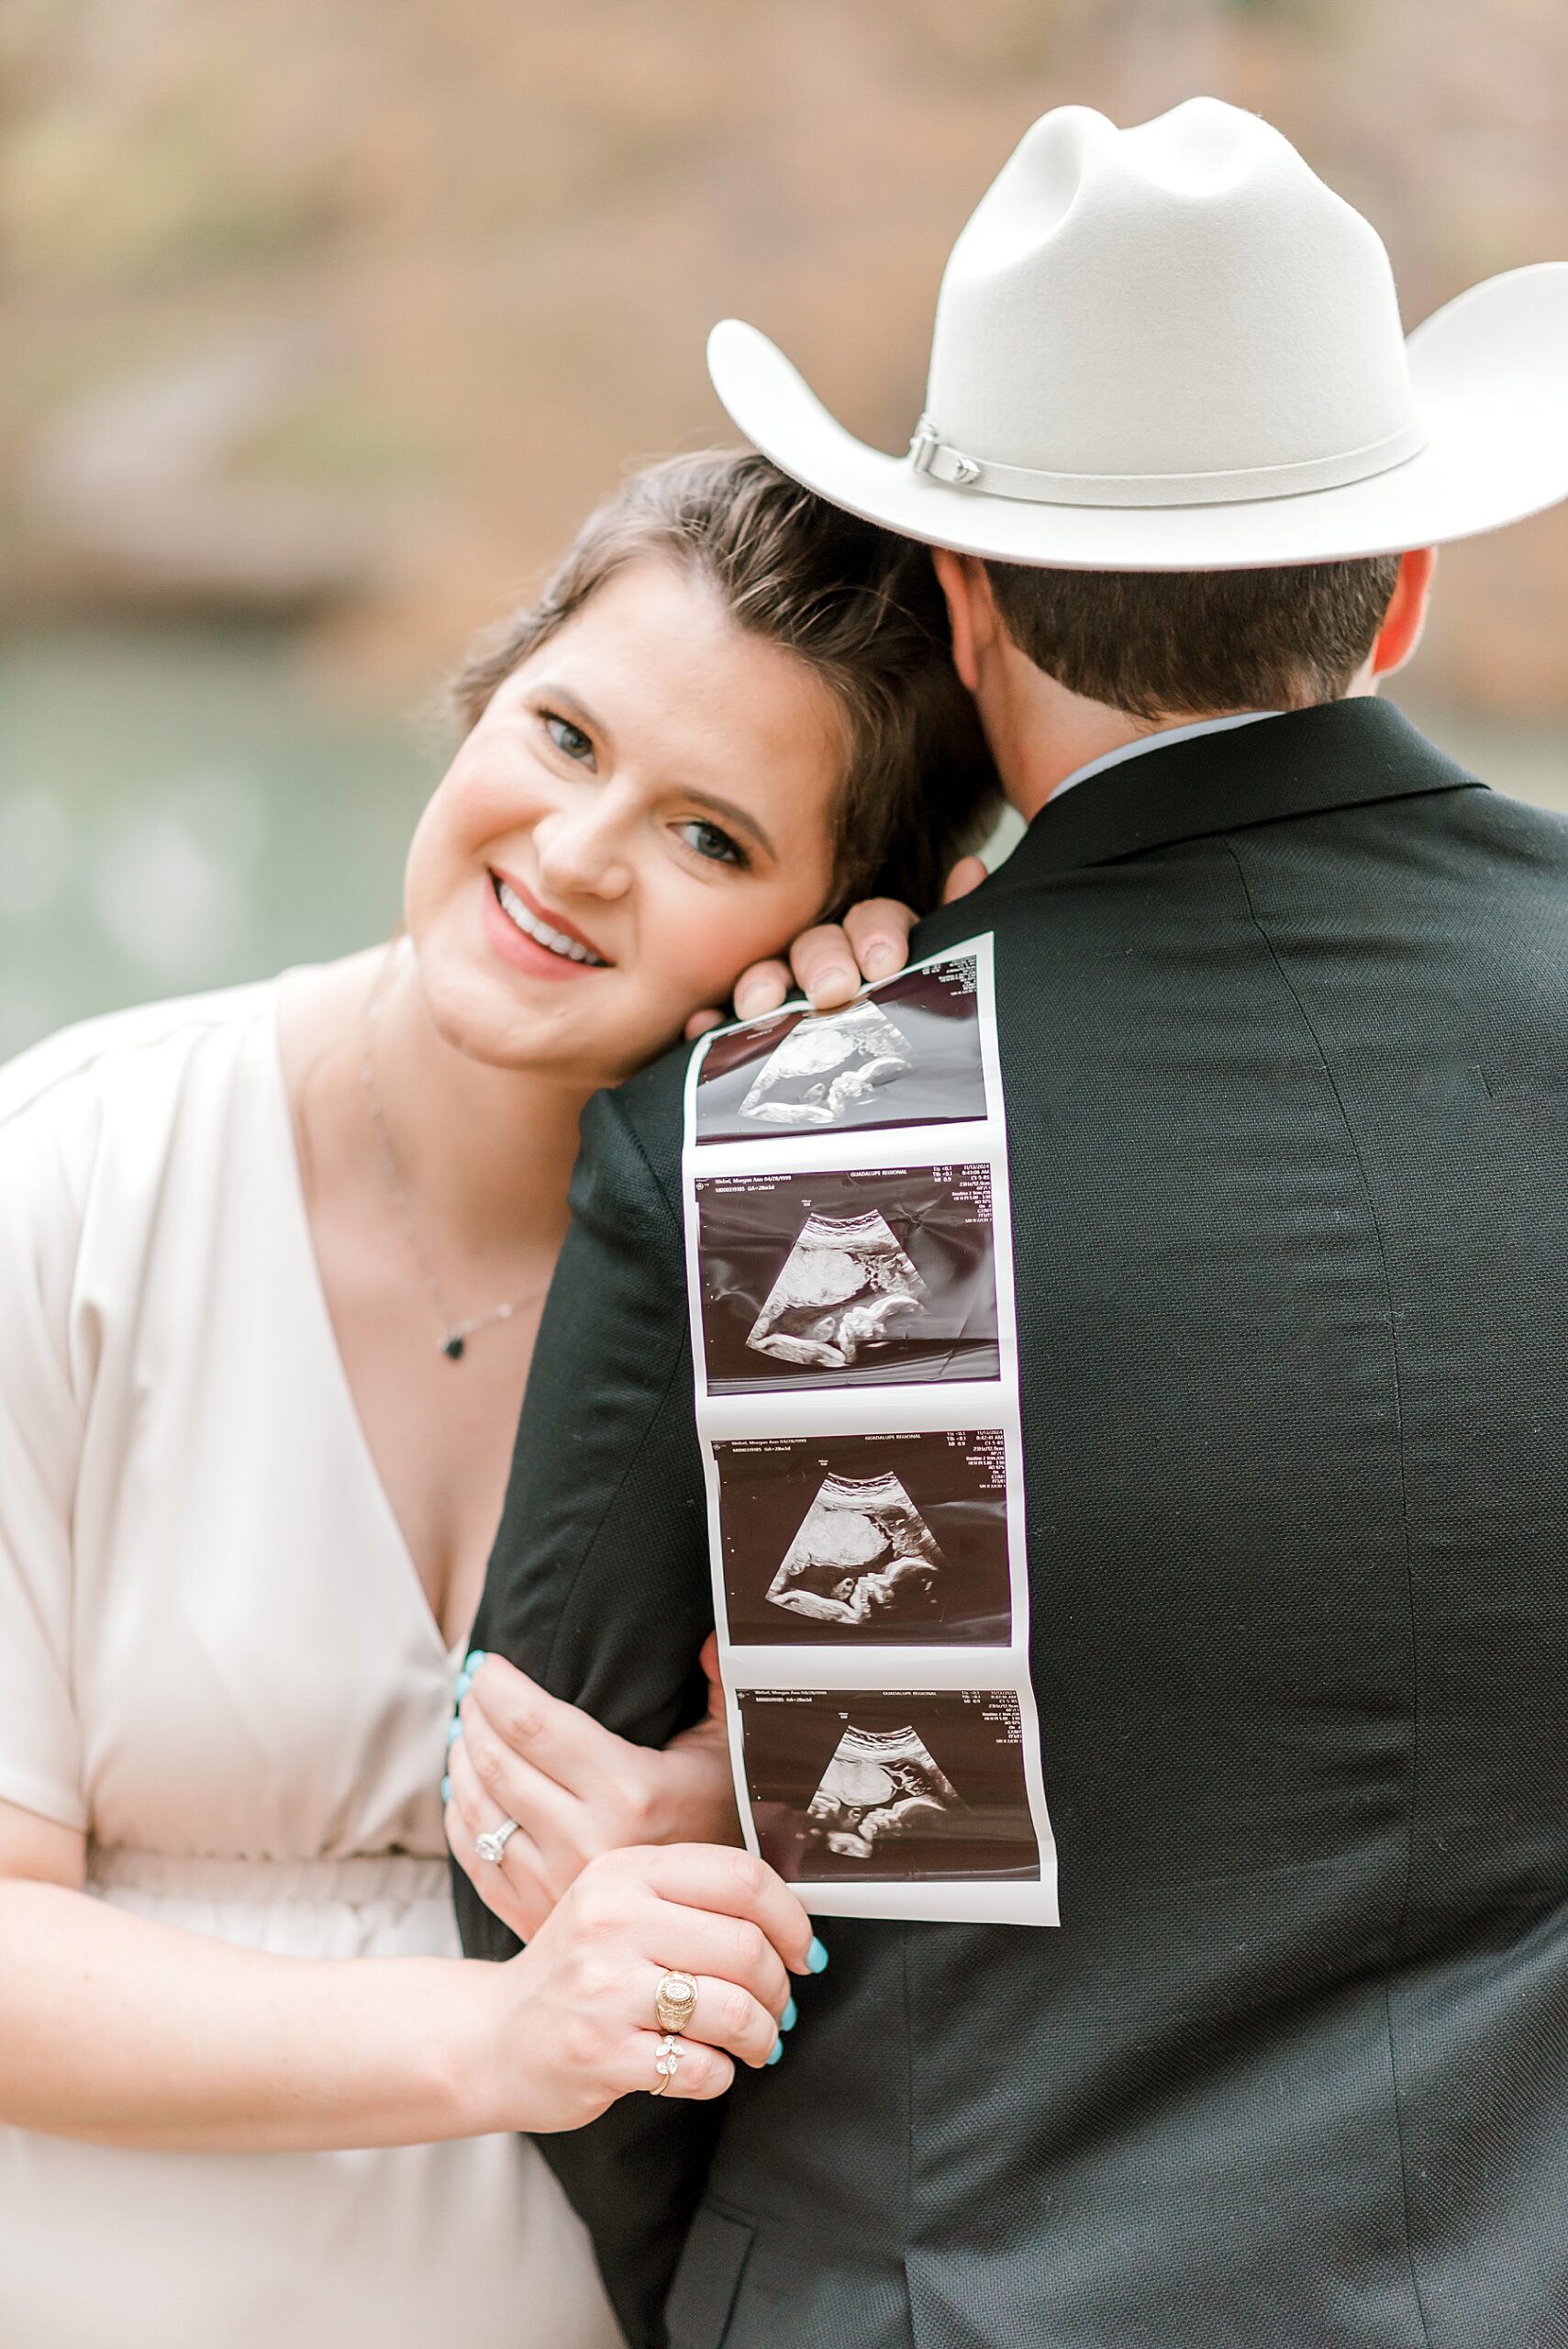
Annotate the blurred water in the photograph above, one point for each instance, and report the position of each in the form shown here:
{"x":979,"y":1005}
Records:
{"x":181,"y":807}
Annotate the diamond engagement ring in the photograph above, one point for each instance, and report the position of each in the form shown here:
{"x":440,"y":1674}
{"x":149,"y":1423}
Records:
{"x":492,"y":1843}
{"x":675,"y":2000}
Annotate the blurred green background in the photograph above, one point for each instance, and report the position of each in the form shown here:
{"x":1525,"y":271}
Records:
{"x":321,"y":321}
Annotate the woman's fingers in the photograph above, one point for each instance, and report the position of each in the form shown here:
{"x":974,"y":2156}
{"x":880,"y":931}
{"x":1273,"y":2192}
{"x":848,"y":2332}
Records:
{"x":726,"y":1949}
{"x":591,"y":1976}
{"x":825,"y":968}
{"x":519,"y":1888}
{"x":701,"y":2072}
{"x":577,"y":1788}
{"x":561,"y":1742}
{"x":727,"y":2016}
{"x":552,"y":1820}
{"x":761,"y":988}
{"x":871,"y":942}
{"x":743,"y":1892}
{"x":828,"y":963}
{"x":878,"y":933}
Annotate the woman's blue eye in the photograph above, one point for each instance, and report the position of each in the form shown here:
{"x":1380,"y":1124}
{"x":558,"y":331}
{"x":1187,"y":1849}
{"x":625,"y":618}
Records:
{"x":710,"y":843}
{"x":568,"y":738}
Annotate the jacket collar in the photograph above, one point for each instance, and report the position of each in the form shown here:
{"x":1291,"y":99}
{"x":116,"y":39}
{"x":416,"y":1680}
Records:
{"x":1336,"y":754}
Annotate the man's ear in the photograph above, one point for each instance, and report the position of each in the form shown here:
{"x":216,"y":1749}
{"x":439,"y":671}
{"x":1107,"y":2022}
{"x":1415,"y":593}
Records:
{"x":1406,"y":613}
{"x":971,"y":613}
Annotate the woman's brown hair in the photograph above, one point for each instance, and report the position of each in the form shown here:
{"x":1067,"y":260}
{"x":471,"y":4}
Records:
{"x":861,"y":608}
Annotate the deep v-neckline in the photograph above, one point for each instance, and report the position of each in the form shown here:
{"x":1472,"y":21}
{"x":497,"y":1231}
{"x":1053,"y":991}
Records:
{"x":358,"y":1442}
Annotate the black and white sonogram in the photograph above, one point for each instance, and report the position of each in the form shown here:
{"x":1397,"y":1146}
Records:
{"x":883,"y":1276}
{"x":843,"y":1284}
{"x":908,"y":1054}
{"x":888,"y":1785}
{"x":886,"y":1539}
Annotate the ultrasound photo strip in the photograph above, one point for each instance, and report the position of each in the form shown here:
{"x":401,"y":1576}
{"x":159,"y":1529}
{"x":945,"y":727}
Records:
{"x":850,"y":1272}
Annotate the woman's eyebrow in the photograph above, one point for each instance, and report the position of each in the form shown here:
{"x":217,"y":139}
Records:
{"x":739,"y":817}
{"x":566,"y":704}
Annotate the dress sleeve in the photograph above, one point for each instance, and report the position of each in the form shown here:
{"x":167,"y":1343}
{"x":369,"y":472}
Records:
{"x":39,"y":1448}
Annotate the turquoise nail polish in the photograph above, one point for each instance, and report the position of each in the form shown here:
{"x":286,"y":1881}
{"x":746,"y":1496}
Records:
{"x":816,"y":1956}
{"x":454,"y":1731}
{"x":446,"y":1790}
{"x":776,"y":2051}
{"x":473,"y":1661}
{"x":464,"y":1683}
{"x":789,"y":2017}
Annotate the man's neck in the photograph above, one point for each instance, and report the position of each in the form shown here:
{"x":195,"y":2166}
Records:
{"x":1044,"y":736}
{"x":1075,"y":734}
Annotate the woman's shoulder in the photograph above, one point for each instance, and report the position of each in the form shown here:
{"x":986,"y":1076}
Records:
{"x":114,"y":1091}
{"x":119,"y":1052}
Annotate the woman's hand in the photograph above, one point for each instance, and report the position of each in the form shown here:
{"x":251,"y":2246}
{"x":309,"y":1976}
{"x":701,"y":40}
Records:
{"x":826,"y":964}
{"x":576,"y":1789}
{"x":570,"y":2024}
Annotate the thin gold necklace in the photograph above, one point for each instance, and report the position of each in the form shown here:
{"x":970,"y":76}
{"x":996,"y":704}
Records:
{"x":452,"y":1333}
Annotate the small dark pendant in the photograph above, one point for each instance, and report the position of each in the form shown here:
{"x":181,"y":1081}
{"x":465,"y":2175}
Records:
{"x":453,"y":1349}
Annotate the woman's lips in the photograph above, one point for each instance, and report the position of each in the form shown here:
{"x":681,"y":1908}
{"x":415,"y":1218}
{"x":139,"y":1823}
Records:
{"x":521,"y":931}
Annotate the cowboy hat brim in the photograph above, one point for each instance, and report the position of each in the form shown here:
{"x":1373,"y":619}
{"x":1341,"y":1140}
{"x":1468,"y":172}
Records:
{"x":1490,"y":377}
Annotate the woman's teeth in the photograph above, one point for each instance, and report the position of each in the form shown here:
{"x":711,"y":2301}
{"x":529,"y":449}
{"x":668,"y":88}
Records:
{"x":541,"y":932}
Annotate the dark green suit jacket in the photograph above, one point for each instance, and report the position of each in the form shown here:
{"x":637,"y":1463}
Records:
{"x":1283,"y":1019}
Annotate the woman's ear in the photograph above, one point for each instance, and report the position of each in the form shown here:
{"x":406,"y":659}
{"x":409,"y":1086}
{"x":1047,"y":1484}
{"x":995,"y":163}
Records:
{"x":1406,"y":613}
{"x":971,"y":613}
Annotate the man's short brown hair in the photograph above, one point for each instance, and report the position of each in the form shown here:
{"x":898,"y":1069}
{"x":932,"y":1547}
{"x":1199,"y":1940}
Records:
{"x":1192,"y":643}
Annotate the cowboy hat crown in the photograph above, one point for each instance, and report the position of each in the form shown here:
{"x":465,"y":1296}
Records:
{"x":1174,"y":346}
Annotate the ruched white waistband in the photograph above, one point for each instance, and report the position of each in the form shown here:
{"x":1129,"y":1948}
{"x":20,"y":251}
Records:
{"x":358,"y":1879}
{"x":369,"y":1904}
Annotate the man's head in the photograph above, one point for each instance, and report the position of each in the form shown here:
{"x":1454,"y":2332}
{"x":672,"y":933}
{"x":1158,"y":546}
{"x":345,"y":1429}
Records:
{"x":1175,"y":432}
{"x":1067,"y":664}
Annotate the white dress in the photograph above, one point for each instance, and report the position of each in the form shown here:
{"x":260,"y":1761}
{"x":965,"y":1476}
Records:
{"x":216,"y":1658}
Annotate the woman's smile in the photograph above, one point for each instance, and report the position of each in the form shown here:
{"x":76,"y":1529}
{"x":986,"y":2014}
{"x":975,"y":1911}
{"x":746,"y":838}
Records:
{"x":533,"y":938}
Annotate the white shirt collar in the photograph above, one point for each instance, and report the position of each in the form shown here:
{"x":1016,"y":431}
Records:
{"x":1157,"y":742}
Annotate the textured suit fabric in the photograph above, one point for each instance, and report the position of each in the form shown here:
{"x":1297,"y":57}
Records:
{"x":1283,"y":1019}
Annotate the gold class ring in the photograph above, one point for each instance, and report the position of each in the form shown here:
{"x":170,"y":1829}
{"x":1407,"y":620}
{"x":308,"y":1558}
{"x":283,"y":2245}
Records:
{"x":675,"y":2000}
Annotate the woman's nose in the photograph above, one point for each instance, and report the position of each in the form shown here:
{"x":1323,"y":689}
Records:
{"x":582,"y":850}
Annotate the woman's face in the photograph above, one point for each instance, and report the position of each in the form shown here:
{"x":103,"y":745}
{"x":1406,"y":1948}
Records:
{"x":642,"y":810}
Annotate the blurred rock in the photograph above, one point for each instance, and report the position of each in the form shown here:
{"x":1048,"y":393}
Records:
{"x":128,"y":493}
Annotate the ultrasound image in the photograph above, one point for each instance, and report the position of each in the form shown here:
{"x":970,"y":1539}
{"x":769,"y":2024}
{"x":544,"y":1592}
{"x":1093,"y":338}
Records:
{"x":864,"y":1550}
{"x":907,"y":1053}
{"x":887,"y":1540}
{"x":844,"y":1281}
{"x":827,"y":1062}
{"x":890,"y":1785}
{"x":882,"y":1276}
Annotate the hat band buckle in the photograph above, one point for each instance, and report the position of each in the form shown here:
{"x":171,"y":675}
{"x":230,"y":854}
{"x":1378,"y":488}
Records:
{"x":936,"y":459}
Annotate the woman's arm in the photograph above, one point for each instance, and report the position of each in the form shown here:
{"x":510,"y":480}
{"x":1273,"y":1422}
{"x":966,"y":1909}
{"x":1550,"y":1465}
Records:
{"x":127,"y":2032}
{"x":576,"y":1789}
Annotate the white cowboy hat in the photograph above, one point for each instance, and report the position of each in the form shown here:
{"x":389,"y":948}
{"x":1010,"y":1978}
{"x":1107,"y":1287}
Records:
{"x":1175,"y":349}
